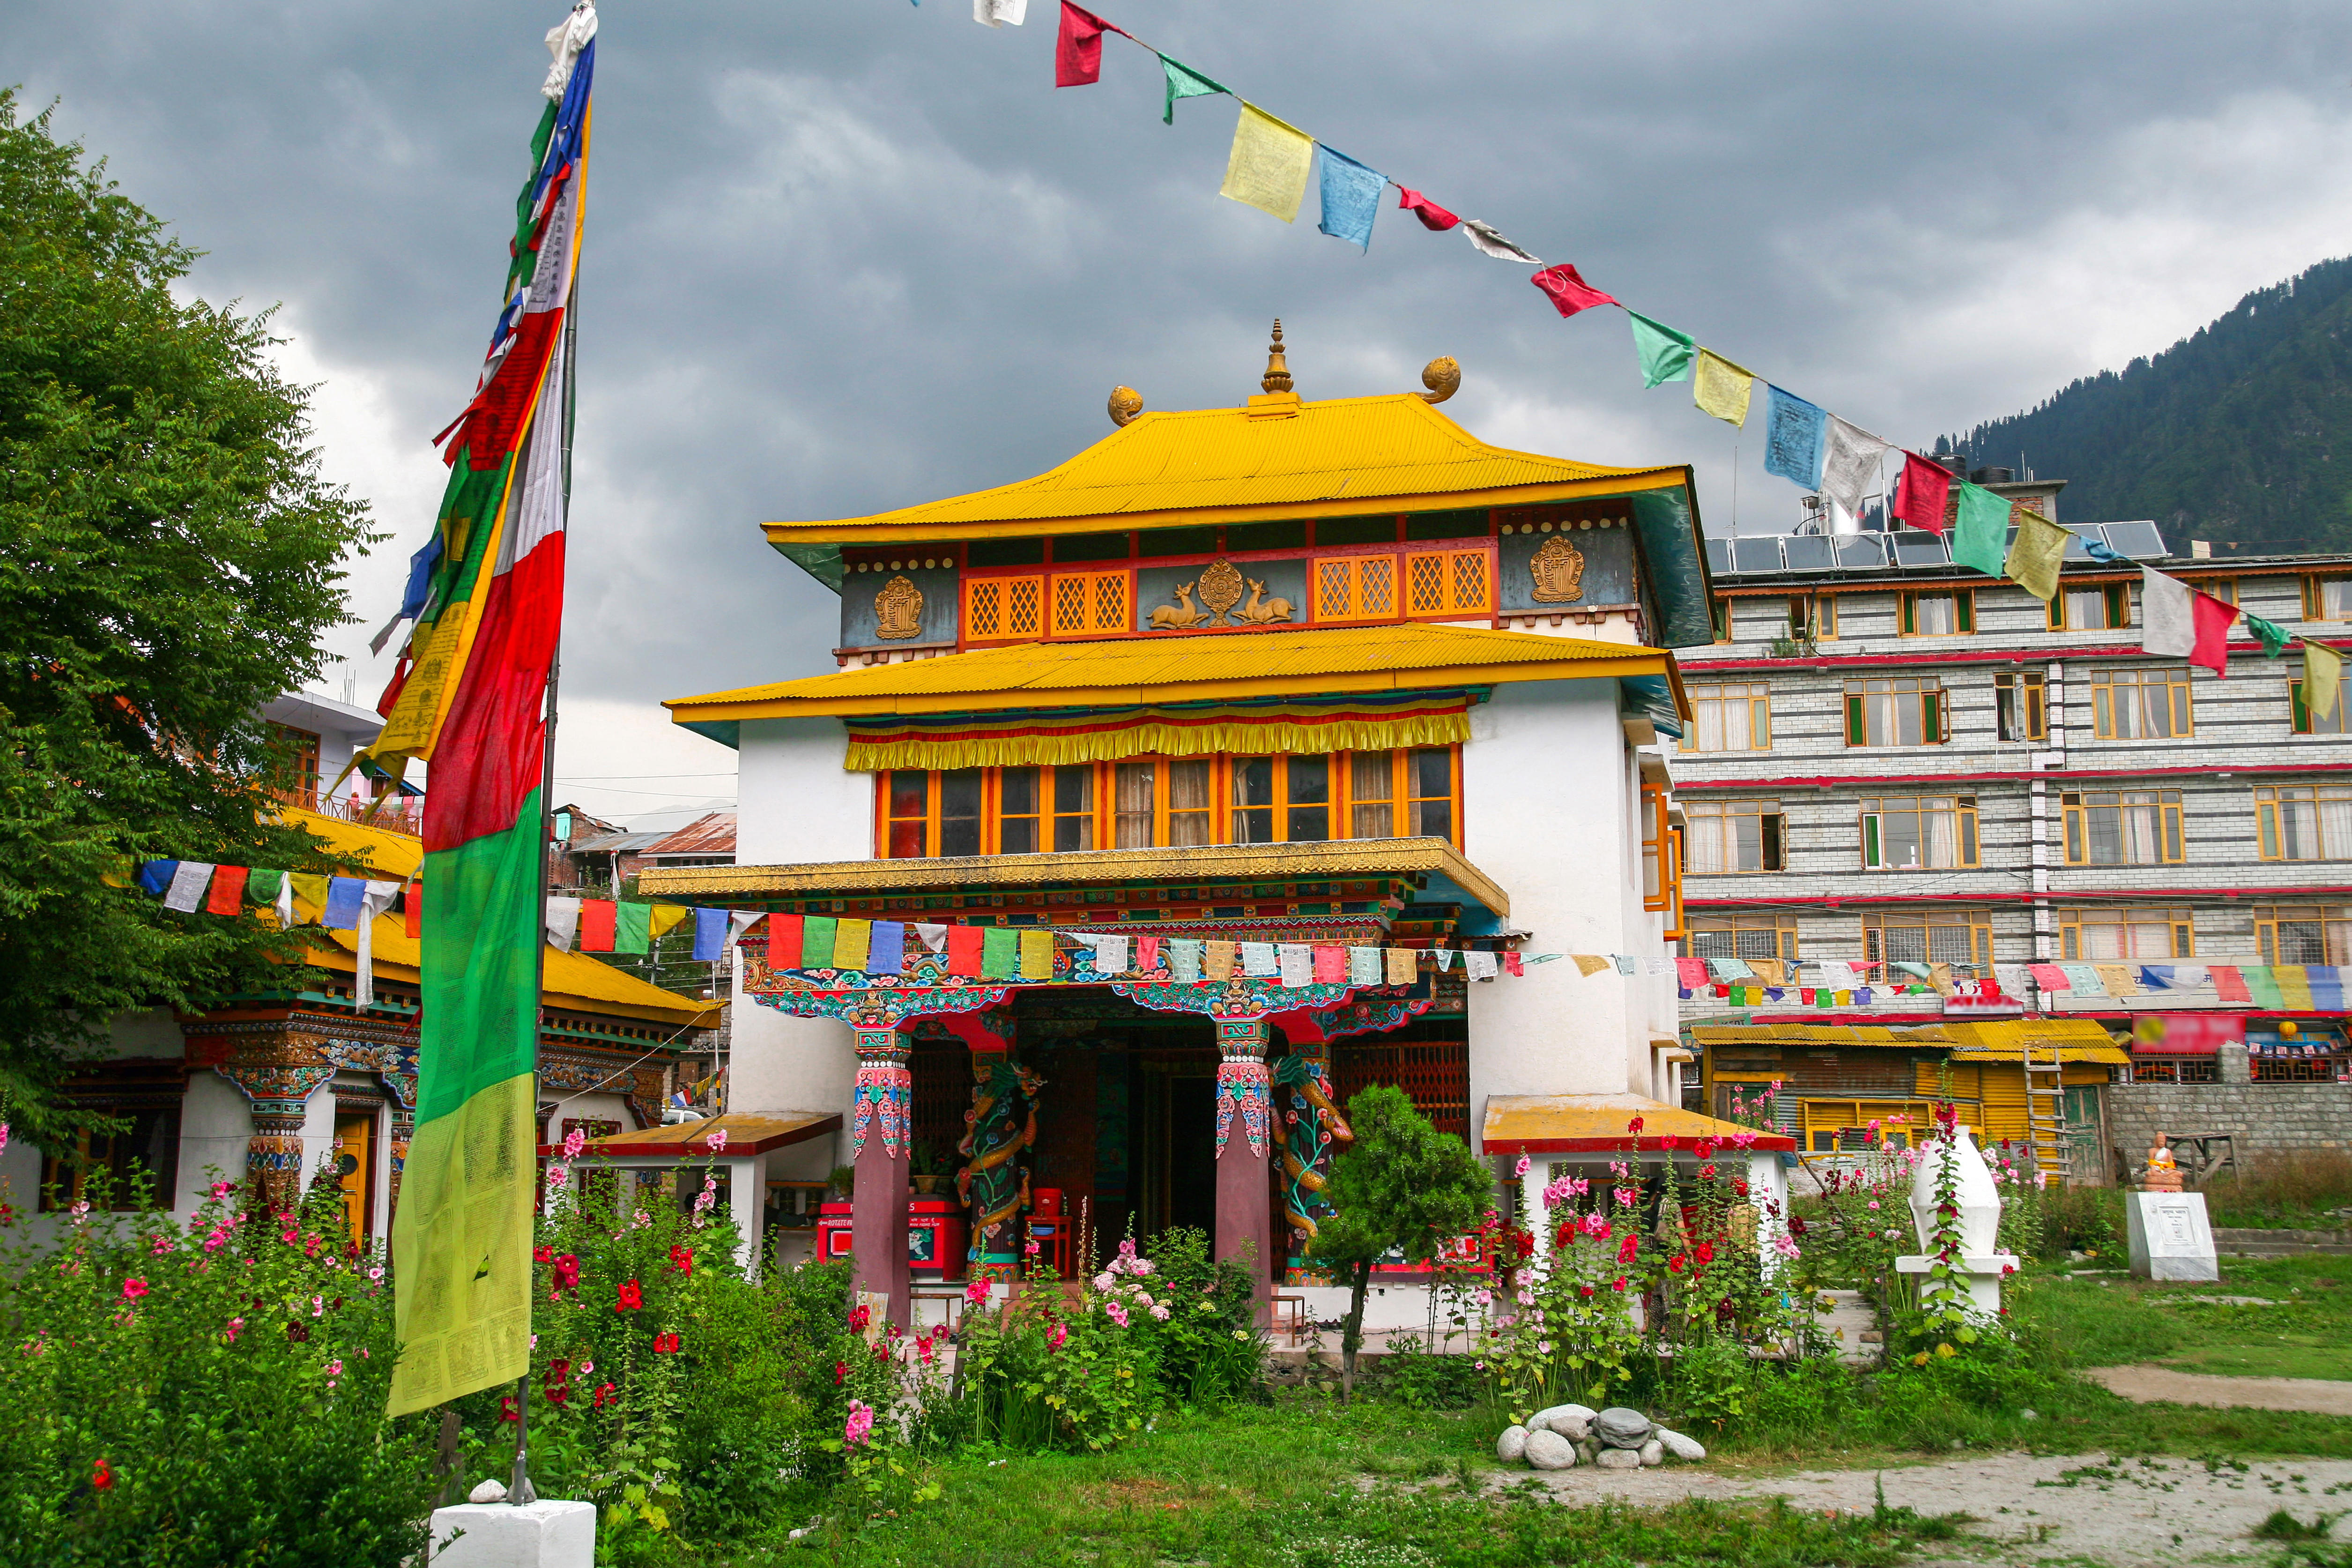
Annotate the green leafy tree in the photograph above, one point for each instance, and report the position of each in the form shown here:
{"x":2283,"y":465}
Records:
{"x":168,"y":559}
{"x":1402,"y":1187}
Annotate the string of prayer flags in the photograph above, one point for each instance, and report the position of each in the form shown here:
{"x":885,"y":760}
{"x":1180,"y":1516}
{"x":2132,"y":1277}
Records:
{"x":1351,"y":198}
{"x":1721,"y":388}
{"x":2272,"y":636}
{"x":1924,"y":492}
{"x":1850,"y":456}
{"x":2037,"y":555}
{"x":1490,"y":242}
{"x":1184,"y":82}
{"x":1432,"y":216}
{"x":1567,"y":290}
{"x":2179,"y":622}
{"x":998,"y":13}
{"x":1268,"y":166}
{"x":1295,"y":963}
{"x":1000,"y":953}
{"x":1077,"y":47}
{"x":1793,"y":430}
{"x":1981,"y":530}
{"x":1665,"y":354}
{"x":2323,"y":676}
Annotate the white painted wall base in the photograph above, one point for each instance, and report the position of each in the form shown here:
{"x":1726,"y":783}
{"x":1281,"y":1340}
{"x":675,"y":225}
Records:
{"x":545,"y":1534}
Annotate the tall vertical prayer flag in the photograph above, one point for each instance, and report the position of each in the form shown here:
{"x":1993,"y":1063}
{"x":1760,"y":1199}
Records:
{"x":1665,"y":354}
{"x":2323,"y":677}
{"x":2038,"y":555}
{"x":1721,"y":388}
{"x":1351,"y":198}
{"x":1922,"y":494}
{"x":1567,"y":290}
{"x":1268,"y":166}
{"x":471,"y":699}
{"x":1981,"y":530}
{"x":1431,"y":214}
{"x":1793,"y":429}
{"x":1849,"y":463}
{"x":1184,"y":82}
{"x":1077,"y":47}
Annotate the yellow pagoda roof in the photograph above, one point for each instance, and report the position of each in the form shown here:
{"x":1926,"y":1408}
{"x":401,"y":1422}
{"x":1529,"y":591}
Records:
{"x":1129,"y":671}
{"x":1280,"y":457}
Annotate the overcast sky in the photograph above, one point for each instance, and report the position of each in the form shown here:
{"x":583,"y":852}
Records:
{"x":850,"y":256}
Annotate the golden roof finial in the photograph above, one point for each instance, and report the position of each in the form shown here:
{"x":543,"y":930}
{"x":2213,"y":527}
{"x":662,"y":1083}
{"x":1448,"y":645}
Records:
{"x":1277,"y":373}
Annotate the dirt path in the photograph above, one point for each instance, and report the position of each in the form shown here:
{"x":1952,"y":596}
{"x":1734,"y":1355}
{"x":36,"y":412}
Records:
{"x":2081,"y":1509}
{"x":2146,"y":1384}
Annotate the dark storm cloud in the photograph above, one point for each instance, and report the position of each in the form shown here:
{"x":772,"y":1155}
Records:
{"x":843,"y":258}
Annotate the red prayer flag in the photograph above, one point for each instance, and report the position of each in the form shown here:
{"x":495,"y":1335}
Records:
{"x":1922,"y":493}
{"x":2227,"y":983}
{"x":1330,"y":964}
{"x":1147,"y":954}
{"x":596,"y":925}
{"x":1078,"y":52}
{"x":2213,"y":620}
{"x":412,"y":906}
{"x":783,"y":938}
{"x":228,"y":896}
{"x":1431,"y":214}
{"x":1513,"y":965}
{"x":1692,"y":972}
{"x":1569,"y":292}
{"x":964,"y":946}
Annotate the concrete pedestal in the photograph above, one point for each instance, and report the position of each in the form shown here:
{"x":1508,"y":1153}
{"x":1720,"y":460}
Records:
{"x":2170,"y":1236}
{"x":547,"y":1534}
{"x":1979,"y":1274}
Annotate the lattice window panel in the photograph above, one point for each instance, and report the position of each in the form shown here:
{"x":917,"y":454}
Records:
{"x":1355,"y":588}
{"x":1089,"y":602}
{"x":1435,"y":1075}
{"x":1000,"y":607}
{"x":1449,"y":583}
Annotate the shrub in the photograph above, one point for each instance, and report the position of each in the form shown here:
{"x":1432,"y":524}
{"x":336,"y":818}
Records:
{"x":2302,"y":1187}
{"x":1421,"y":1381}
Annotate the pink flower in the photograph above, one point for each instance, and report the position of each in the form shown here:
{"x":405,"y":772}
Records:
{"x":860,"y":1424}
{"x":236,"y":1325}
{"x":220,"y":1189}
{"x":574,"y":1142}
{"x":1161,"y":1313}
{"x":1030,"y":1248}
{"x":976,"y":1292}
{"x":1522,"y":1168}
{"x":1118,"y":1313}
{"x":1104,"y":1280}
{"x":335,"y":1367}
{"x":133,"y":1289}
{"x":716,"y":1140}
{"x":1057,"y":1336}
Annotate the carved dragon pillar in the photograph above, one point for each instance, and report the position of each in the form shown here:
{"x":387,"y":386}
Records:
{"x":279,"y":1093}
{"x":1312,"y":1132}
{"x":1244,"y":1201}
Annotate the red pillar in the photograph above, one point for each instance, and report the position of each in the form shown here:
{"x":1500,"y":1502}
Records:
{"x":877,"y":1140}
{"x":1245,"y":1139}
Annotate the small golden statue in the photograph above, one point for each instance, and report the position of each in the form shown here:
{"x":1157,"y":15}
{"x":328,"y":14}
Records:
{"x":897,"y":609}
{"x":1261,"y":611}
{"x":1442,"y":377}
{"x":2163,"y":1174}
{"x":1126,"y":405}
{"x":1557,"y":568}
{"x":1180,"y":616}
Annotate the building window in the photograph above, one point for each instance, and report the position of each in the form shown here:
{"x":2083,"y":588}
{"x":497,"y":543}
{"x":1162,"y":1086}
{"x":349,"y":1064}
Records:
{"x":1356,"y":588}
{"x":1736,"y":836}
{"x":2145,"y":702}
{"x":2328,"y":598}
{"x":2304,"y":822}
{"x":1718,"y":615}
{"x":108,"y":1163}
{"x":1172,"y":802}
{"x":2123,"y":827}
{"x":1812,"y":618}
{"x":1905,"y":711}
{"x":2096,"y":607}
{"x":1933,"y":936}
{"x":1449,"y":583}
{"x":1730,"y":716}
{"x":301,"y":748}
{"x":1944,"y":613}
{"x":2306,"y":723}
{"x":2222,"y":588}
{"x":2316,"y":933}
{"x":1742,"y":936}
{"x":2022,"y":705}
{"x":2118,"y":936}
{"x":1086,"y":603}
{"x":1918,"y":832}
{"x":1000,"y":607}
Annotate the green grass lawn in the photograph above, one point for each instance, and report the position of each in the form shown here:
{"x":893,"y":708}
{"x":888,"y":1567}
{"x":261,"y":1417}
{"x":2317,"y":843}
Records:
{"x":2304,"y":1331}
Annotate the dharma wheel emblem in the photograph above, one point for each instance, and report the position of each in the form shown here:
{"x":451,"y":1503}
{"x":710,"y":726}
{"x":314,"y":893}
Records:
{"x":897,"y":609}
{"x":1221,"y":588}
{"x":1559,"y":571}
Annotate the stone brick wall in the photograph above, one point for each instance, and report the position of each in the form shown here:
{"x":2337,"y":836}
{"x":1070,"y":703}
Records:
{"x":2265,"y":1117}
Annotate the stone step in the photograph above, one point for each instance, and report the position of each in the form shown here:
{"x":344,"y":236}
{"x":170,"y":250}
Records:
{"x":2246,"y":1241}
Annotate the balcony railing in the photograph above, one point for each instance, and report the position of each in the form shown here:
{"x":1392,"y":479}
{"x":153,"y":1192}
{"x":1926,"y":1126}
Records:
{"x":396,"y":813}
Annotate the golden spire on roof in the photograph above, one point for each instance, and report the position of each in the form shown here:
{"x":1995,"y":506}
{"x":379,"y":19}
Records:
{"x":1277,"y":373}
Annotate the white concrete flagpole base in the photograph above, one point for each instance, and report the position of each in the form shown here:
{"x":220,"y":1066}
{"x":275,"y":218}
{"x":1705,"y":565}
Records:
{"x":545,"y":1534}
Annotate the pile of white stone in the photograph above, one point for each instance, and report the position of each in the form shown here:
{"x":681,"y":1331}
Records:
{"x":1615,"y":1439}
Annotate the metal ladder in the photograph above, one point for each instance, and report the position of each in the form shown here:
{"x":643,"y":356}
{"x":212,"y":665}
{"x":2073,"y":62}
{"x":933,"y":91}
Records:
{"x":2045,"y":1116}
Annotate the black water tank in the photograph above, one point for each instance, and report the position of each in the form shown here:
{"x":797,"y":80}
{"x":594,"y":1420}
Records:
{"x":1993,"y":476}
{"x":1956,"y":461}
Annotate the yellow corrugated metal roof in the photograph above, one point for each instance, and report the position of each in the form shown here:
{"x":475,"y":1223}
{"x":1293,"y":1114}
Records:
{"x":1131,"y":671}
{"x":1330,"y":454}
{"x":573,"y":980}
{"x":2077,"y":1040}
{"x":1820,"y":1035}
{"x":377,"y":850}
{"x":1587,"y":1123}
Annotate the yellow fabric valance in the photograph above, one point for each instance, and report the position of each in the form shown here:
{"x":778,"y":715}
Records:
{"x":1237,"y":730}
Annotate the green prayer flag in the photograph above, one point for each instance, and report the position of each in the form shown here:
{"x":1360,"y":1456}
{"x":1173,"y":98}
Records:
{"x":2038,"y":556}
{"x":1825,"y":997}
{"x":633,"y":928}
{"x":1980,"y":534}
{"x":1000,"y":953}
{"x":2261,"y":985}
{"x":817,"y":941}
{"x":2275,"y":639}
{"x":261,"y":887}
{"x":2323,"y":677}
{"x":1666,"y":355}
{"x":1184,"y":82}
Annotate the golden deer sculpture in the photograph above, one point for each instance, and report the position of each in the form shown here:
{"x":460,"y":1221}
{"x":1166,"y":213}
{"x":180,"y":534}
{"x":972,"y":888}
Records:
{"x":1167,"y":617}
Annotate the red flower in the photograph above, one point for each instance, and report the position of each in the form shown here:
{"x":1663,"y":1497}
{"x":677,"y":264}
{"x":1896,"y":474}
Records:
{"x":1706,"y":1150}
{"x":665,"y":1343}
{"x":543,"y":1255}
{"x":508,"y":1409}
{"x":103,"y":1476}
{"x":604,"y":1393}
{"x":1585,"y":1290}
{"x":1667,"y":1141}
{"x":1628,"y":1248}
{"x":1706,"y":1172}
{"x":1705,"y":1252}
{"x":632,"y":1299}
{"x":300,"y":1333}
{"x":1620,"y":1283}
{"x":860,"y":1316}
{"x":1740,"y":1186}
{"x":681,"y":1259}
{"x":840,"y":1372}
{"x":1674,"y":1264}
{"x":881,"y":1350}
{"x":1634,"y":1125}
{"x":563,"y":1271}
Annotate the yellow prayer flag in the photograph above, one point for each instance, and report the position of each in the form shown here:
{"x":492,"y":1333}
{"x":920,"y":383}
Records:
{"x":851,"y":942}
{"x":1036,"y":954}
{"x":1269,"y":165}
{"x":1403,"y":965}
{"x":2037,"y":555}
{"x":1721,"y":388}
{"x":2323,"y":676}
{"x":2120,"y":979}
{"x":309,"y":898}
{"x":1590,"y":963}
{"x":1770,"y":970}
{"x":665,"y":916}
{"x":1217,"y":959}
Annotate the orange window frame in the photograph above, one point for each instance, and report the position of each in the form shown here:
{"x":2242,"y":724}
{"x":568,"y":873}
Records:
{"x":1448,"y":583}
{"x":1009,"y":608}
{"x":1355,"y":588}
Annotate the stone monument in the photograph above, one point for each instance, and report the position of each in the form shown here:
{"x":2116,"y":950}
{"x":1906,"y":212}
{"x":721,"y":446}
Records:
{"x":1982,"y":1264}
{"x":2170,"y":1235}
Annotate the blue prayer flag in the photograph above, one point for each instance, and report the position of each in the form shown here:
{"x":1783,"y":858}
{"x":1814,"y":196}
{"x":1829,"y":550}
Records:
{"x":1351,"y":198}
{"x":886,"y":951}
{"x":1793,"y":432}
{"x":155,"y":876}
{"x":709,"y":935}
{"x":343,"y":896}
{"x":2156,"y":977}
{"x":2326,"y":983}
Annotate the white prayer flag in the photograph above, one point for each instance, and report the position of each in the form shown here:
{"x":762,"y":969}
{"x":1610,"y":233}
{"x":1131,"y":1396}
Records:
{"x":186,"y":893}
{"x":1363,"y":966}
{"x":374,"y":898}
{"x":1481,"y":965}
{"x":1491,"y":242}
{"x":2168,"y":614}
{"x":1849,"y":463}
{"x":1110,"y":954}
{"x":1258,"y":959}
{"x":1297,"y":963}
{"x":997,"y":12}
{"x":1837,"y":977}
{"x":1445,"y":956}
{"x":562,"y":922}
{"x":934,"y":934}
{"x":740,"y":921}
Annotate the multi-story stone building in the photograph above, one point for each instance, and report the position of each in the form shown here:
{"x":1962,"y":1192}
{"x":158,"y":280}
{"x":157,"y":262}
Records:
{"x":1896,"y":760}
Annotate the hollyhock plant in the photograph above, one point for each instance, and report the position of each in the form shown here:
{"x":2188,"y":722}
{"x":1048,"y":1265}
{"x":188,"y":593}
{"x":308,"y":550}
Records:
{"x":633,"y":1298}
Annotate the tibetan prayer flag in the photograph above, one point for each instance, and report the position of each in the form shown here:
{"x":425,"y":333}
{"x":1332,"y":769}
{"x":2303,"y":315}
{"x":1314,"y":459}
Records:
{"x":1691,"y":972}
{"x":785,"y":935}
{"x":667,"y":918}
{"x":1922,"y":494}
{"x":1480,"y":964}
{"x":2157,"y":977}
{"x":1588,"y":965}
{"x":597,"y":924}
{"x":1850,"y":456}
{"x":2273,"y":637}
{"x":2038,"y":555}
{"x":709,"y":935}
{"x":562,"y":922}
{"x":2326,"y":984}
{"x":633,"y":928}
{"x":2294,"y":988}
{"x":189,"y":877}
{"x":227,"y":895}
{"x":1513,"y":965}
{"x":1147,"y":955}
{"x":2215,"y":619}
{"x":1771,"y":970}
{"x":344,"y":895}
{"x":1489,"y":241}
{"x":1445,"y":956}
{"x":853,"y":940}
{"x":1110,"y":954}
{"x":1665,"y":354}
{"x":1258,"y":961}
{"x":1569,"y":292}
{"x":997,"y":12}
{"x":1626,"y":966}
{"x":1363,"y":966}
{"x":966,"y":946}
{"x":1217,"y":959}
{"x":1330,"y":964}
{"x":1184,"y":82}
{"x":740,"y":922}
{"x":1184,"y":955}
{"x":2182,"y":623}
{"x":1000,"y":953}
{"x":1721,"y":388}
{"x":932,"y":934}
{"x":2262,"y":985}
{"x":2049,"y":976}
{"x":2119,"y":978}
{"x":1981,"y":530}
{"x":1078,"y":49}
{"x":1296,"y":962}
{"x":1268,"y":166}
{"x":1036,"y":954}
{"x":155,"y":877}
{"x":1793,"y":430}
{"x":818,"y":935}
{"x":1351,"y":198}
{"x":2323,"y":677}
{"x":472,"y":701}
{"x":1404,"y":965}
{"x":412,"y":909}
{"x":886,"y":948}
{"x":1730,"y":968}
{"x":2083,"y":979}
{"x":1431,"y":214}
{"x":309,"y":895}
